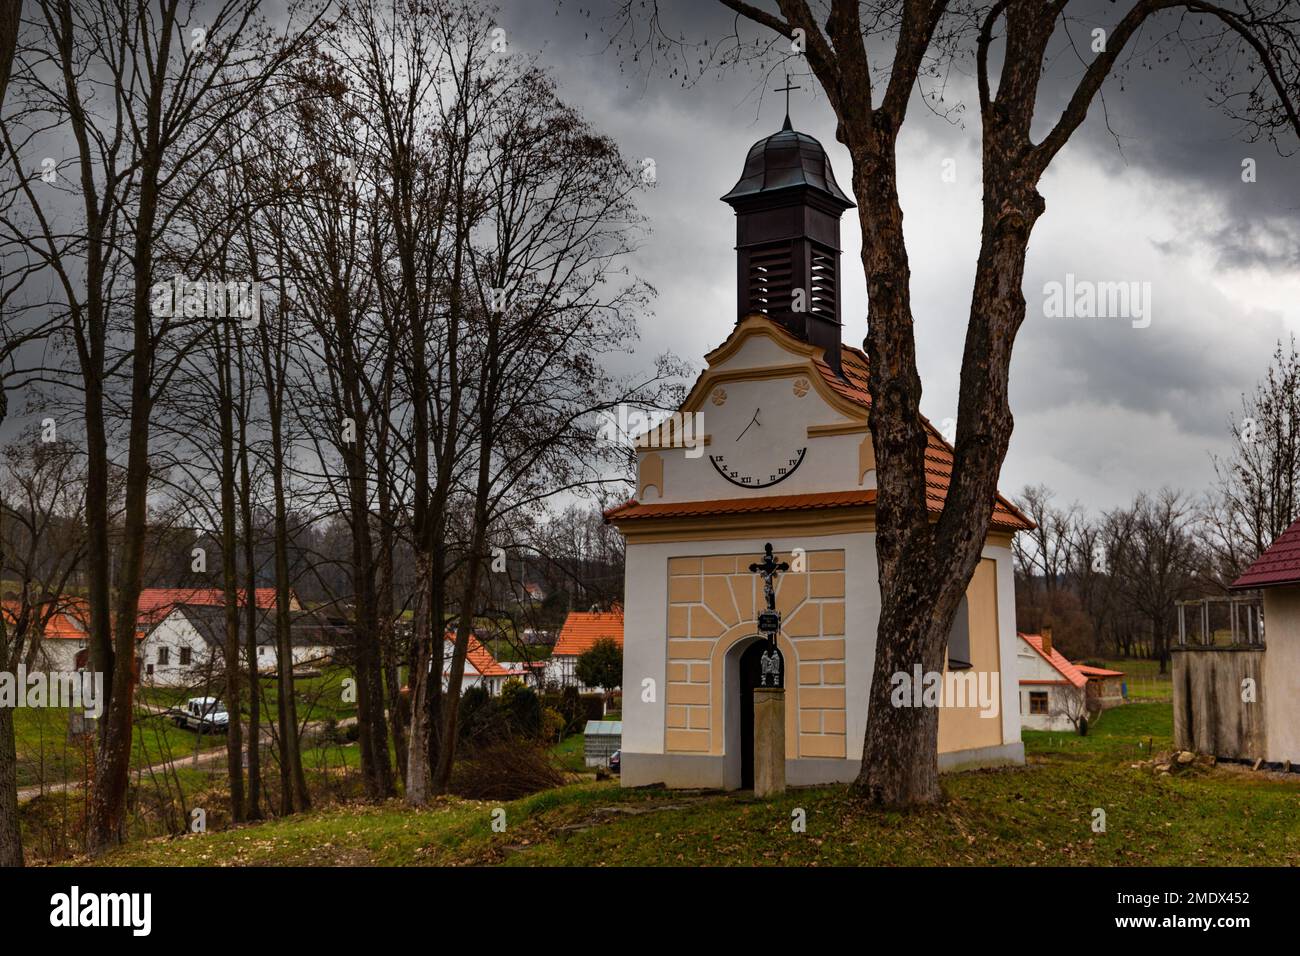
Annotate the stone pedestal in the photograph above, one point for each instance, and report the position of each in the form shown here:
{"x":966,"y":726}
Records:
{"x":769,"y":741}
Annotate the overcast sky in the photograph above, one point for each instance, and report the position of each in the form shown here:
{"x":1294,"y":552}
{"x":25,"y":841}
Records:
{"x":1103,"y":409}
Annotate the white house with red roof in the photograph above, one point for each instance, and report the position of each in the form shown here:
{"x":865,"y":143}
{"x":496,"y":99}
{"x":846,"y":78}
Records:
{"x":581,"y":630}
{"x":772,"y":444}
{"x":62,"y":637}
{"x":156,"y":603}
{"x":1053,"y":692}
{"x":481,"y":668}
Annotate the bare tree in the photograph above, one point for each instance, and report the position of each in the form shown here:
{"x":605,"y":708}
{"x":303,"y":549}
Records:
{"x":1257,"y":493}
{"x":42,"y":545}
{"x":1154,"y":560}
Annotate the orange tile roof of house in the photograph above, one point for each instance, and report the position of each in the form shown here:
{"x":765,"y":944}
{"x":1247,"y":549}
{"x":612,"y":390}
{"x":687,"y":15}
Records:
{"x":157,"y":603}
{"x":1070,"y":672}
{"x":481,"y":658}
{"x":938,"y":463}
{"x":582,"y":629}
{"x":66,"y":624}
{"x":1087,"y":670}
{"x":635,"y":511}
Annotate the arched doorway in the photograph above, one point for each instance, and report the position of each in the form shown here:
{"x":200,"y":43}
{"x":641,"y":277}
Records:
{"x":751,"y":670}
{"x":733,"y":736}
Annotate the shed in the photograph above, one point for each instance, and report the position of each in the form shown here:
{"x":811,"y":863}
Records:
{"x":600,"y":739}
{"x":1241,"y":699}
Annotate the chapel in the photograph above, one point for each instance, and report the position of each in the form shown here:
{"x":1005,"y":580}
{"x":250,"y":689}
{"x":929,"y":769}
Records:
{"x":781,"y":413}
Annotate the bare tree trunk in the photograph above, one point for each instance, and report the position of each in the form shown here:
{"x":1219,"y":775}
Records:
{"x":11,"y":842}
{"x":293,"y":782}
{"x":250,"y":619}
{"x":229,"y":574}
{"x":11,"y":17}
{"x":418,"y":775}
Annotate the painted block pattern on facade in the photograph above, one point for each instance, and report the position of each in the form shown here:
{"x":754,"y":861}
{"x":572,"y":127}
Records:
{"x":713,"y":603}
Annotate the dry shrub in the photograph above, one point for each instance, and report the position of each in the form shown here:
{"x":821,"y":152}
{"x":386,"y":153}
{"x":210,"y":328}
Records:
{"x":505,"y":770}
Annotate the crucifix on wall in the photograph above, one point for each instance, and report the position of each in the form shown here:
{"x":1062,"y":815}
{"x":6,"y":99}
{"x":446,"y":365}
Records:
{"x":769,"y":619}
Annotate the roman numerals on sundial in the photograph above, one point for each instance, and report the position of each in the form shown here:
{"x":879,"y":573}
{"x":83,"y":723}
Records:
{"x":734,"y":475}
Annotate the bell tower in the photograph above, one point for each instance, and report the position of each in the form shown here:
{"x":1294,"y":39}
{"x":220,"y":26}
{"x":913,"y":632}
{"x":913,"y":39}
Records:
{"x":788,"y":209}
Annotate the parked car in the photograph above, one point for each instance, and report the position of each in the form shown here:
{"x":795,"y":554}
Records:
{"x":615,"y":761}
{"x":207,"y":715}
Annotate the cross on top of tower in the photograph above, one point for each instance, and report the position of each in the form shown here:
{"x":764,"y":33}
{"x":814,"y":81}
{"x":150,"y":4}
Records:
{"x":786,"y":90}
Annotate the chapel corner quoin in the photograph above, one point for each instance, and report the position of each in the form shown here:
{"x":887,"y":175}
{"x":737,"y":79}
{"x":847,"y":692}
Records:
{"x":788,"y":460}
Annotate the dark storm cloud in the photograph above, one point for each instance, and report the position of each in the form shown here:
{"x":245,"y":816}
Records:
{"x":1149,"y":190}
{"x":1102,"y":408}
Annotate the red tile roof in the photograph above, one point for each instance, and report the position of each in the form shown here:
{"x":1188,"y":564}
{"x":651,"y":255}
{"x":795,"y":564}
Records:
{"x":1279,"y":564}
{"x":938,"y":461}
{"x":582,"y":629}
{"x":1067,"y":670}
{"x":157,"y":603}
{"x":481,"y":658}
{"x":67,"y":624}
{"x":1087,"y":670}
{"x":635,"y":511}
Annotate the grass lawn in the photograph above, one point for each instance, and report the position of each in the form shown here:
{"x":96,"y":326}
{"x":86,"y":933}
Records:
{"x":1143,"y":677}
{"x":1040,"y":814}
{"x":569,"y":754}
{"x":44,"y":752}
{"x":320,"y":697}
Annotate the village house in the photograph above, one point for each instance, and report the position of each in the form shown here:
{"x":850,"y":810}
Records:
{"x":1053,"y":692}
{"x":157,"y":603}
{"x":481,"y":668}
{"x":187,"y":646}
{"x":772,"y":444}
{"x":61,"y":640}
{"x":581,"y":630}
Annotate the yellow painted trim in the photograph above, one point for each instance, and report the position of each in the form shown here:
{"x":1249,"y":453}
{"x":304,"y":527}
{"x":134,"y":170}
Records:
{"x":727,"y":527}
{"x":757,"y":324}
{"x":651,"y":474}
{"x":866,"y":458}
{"x":838,"y":428}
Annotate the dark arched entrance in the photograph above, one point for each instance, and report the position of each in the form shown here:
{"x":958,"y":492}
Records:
{"x":751,"y":670}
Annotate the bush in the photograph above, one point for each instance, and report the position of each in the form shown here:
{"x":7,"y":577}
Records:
{"x":506,"y":771}
{"x":523,"y":708}
{"x":571,"y":708}
{"x":601,"y":665}
{"x":553,"y":724}
{"x":593,"y":707}
{"x":481,"y":720}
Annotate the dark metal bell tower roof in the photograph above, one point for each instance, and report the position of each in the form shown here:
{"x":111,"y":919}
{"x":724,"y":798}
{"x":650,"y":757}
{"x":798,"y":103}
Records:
{"x":787,"y":160}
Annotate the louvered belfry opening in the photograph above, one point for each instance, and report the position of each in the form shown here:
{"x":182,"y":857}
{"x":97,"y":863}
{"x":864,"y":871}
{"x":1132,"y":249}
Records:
{"x":770,"y":278}
{"x":788,"y":209}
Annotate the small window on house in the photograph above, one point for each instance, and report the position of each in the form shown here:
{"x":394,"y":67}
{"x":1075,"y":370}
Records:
{"x":186,"y":655}
{"x":1038,"y":702}
{"x":164,"y":656}
{"x":959,"y":639}
{"x":261,"y":652}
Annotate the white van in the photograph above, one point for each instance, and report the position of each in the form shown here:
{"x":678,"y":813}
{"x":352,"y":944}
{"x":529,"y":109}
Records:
{"x":204,"y":714}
